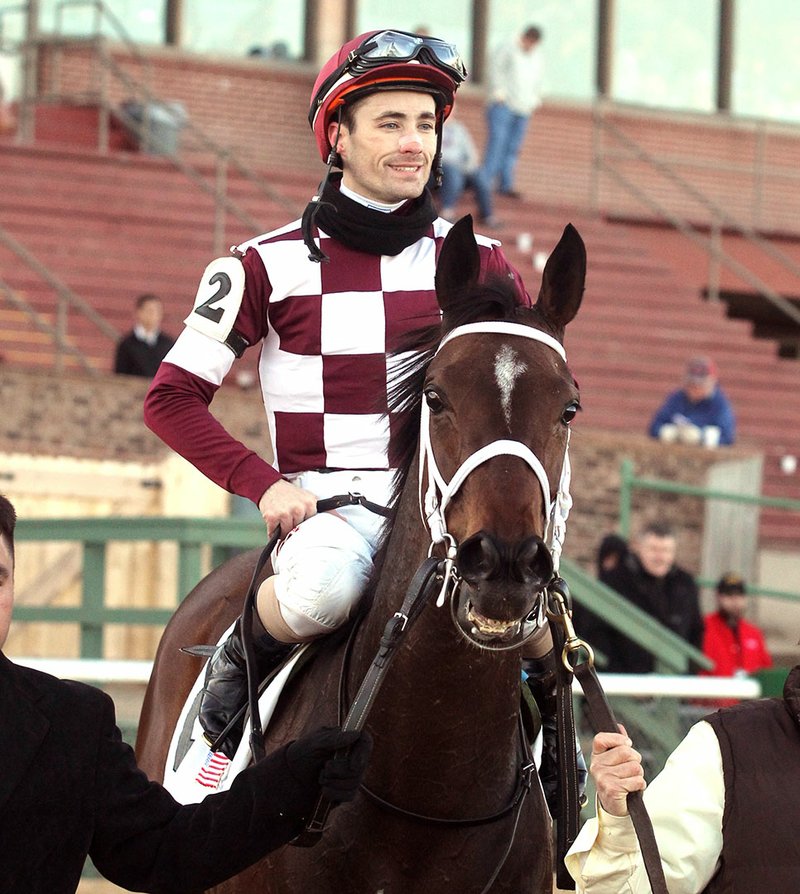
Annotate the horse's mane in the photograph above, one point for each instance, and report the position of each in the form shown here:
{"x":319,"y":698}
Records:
{"x":495,"y":299}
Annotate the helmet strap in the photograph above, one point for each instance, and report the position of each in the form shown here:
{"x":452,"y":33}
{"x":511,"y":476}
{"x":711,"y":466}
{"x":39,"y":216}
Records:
{"x":438,"y":171}
{"x":315,"y":253}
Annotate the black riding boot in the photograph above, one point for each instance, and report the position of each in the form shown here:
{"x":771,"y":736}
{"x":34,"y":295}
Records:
{"x":225,"y":687}
{"x":542,"y":684}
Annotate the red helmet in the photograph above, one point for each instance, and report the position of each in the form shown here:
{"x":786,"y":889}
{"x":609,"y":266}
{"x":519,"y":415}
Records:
{"x":381,"y":60}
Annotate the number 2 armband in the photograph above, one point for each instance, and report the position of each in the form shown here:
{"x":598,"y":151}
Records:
{"x":219,"y":297}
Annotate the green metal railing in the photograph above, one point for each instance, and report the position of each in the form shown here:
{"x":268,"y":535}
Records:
{"x":92,"y":614}
{"x":225,"y":534}
{"x":629,"y":482}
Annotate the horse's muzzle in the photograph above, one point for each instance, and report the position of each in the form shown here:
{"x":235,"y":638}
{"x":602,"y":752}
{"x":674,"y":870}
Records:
{"x":500,"y":585}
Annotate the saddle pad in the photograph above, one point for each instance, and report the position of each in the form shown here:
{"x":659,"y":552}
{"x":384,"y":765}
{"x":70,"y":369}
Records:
{"x":192,"y":769}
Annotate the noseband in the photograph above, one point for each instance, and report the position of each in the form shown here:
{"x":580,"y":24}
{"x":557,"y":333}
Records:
{"x":436,"y":493}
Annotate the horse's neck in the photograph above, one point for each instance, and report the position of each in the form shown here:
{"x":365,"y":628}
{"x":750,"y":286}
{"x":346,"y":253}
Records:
{"x":445,"y":704}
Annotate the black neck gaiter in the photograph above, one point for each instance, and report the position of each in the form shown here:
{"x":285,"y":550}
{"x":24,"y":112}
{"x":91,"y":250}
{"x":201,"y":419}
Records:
{"x":370,"y":231}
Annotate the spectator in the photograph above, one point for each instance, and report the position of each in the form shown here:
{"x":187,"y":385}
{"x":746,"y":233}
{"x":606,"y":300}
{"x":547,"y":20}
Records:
{"x":724,"y":808}
{"x":735,"y":646}
{"x":70,"y":787}
{"x":648,"y":576}
{"x":610,"y":553}
{"x":513,"y":93}
{"x":460,"y":169}
{"x":141,"y":351}
{"x":698,"y":412}
{"x":278,"y":49}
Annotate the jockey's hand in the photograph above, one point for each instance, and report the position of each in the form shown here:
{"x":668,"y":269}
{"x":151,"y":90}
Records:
{"x":314,"y":758}
{"x":286,"y":505}
{"x":617,"y":770}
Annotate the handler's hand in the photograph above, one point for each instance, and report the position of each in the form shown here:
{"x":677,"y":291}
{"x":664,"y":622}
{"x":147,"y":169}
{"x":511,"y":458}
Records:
{"x":617,"y":770}
{"x":286,"y":505}
{"x":333,"y":758}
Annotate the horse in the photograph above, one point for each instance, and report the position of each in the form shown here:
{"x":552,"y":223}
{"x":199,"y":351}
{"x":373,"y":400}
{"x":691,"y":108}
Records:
{"x":489,"y":398}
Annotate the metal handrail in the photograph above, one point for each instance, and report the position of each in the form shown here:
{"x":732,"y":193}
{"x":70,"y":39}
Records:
{"x":214,"y":186}
{"x":720,"y":217}
{"x":102,"y":11}
{"x":725,"y":218}
{"x":39,"y":322}
{"x":709,"y":245}
{"x":223,"y":155}
{"x":206,"y":143}
{"x":67,"y":297}
{"x":629,"y":481}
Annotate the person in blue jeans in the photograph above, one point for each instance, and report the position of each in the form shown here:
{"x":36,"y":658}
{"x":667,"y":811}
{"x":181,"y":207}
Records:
{"x":461,"y":170}
{"x":514,"y":93}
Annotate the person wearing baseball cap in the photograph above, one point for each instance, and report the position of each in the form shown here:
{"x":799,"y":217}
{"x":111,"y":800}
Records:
{"x":735,"y":645}
{"x":326,"y":297}
{"x":698,"y":412}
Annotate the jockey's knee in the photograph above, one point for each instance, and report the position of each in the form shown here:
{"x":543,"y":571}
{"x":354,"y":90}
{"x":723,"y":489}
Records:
{"x":321,"y":571}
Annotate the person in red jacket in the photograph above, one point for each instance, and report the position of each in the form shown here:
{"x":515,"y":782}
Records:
{"x":734,"y":645}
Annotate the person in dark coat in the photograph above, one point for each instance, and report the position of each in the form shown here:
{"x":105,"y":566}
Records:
{"x":648,"y":576}
{"x":610,"y":553}
{"x":70,"y":788}
{"x":141,"y":351}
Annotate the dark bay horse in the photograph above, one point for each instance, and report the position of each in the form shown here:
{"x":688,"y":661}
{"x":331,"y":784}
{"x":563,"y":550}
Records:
{"x":492,"y":398}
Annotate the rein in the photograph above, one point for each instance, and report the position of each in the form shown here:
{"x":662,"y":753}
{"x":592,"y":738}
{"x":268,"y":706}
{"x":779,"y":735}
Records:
{"x":429,"y":576}
{"x":602,"y":719}
{"x":256,"y":732}
{"x":418,"y":592}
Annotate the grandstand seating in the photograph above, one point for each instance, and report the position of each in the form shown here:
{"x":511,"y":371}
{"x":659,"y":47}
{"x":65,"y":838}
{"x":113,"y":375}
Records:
{"x":111,"y":227}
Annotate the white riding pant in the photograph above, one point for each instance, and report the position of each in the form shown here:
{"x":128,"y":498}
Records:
{"x":324,"y":564}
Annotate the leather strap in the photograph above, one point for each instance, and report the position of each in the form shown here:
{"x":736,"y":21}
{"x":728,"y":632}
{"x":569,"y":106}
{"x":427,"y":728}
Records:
{"x":251,"y":665}
{"x":568,"y":810}
{"x":603,"y":720}
{"x":352,"y":499}
{"x":417,"y":594}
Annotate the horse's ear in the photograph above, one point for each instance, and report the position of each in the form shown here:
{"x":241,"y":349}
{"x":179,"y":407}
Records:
{"x":563,"y":279}
{"x":459,"y":264}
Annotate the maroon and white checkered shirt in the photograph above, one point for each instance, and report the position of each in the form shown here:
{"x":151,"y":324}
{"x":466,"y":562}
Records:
{"x":325,"y":330}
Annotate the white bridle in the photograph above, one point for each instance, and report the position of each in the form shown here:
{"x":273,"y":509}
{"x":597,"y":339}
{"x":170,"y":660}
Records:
{"x":437,"y":493}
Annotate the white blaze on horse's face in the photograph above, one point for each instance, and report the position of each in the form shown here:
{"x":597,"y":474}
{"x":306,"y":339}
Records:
{"x":508,"y":367}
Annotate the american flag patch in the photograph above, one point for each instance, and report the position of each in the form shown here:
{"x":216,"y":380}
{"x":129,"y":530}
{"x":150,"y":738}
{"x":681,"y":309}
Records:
{"x":214,"y":769}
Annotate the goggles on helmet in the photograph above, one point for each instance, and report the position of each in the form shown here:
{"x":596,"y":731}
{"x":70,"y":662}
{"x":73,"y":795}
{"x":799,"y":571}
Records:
{"x":400,"y":46}
{"x":391,"y":47}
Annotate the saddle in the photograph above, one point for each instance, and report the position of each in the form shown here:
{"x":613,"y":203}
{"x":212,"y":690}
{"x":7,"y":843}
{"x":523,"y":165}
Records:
{"x":193,"y":770}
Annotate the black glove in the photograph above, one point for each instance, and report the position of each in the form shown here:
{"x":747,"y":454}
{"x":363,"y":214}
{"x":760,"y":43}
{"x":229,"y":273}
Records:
{"x":314,"y":757}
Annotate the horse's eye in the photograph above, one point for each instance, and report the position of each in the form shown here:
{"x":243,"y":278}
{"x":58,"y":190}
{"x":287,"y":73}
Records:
{"x":570,"y":412}
{"x":434,"y":402}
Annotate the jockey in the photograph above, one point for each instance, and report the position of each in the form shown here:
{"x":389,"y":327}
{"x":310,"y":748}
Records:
{"x":328,"y":297}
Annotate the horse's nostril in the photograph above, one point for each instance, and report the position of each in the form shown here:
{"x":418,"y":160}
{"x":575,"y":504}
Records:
{"x":478,"y":558}
{"x":533,"y":562}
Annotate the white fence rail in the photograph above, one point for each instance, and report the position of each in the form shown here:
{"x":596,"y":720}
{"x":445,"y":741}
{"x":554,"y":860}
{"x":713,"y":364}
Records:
{"x":91,"y":670}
